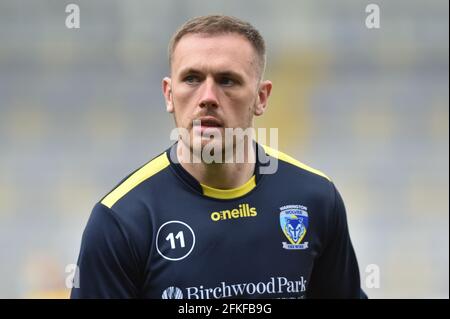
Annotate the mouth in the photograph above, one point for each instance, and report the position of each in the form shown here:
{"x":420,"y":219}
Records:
{"x":208,"y":121}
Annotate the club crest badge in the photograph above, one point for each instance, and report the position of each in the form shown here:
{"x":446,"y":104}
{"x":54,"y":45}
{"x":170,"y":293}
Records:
{"x":294,"y":224}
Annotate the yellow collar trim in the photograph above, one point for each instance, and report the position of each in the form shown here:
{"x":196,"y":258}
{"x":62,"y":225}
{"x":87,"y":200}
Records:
{"x":229,"y":193}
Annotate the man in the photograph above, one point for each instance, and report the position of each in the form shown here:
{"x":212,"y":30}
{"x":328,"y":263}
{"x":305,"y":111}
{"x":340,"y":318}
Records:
{"x":186,"y":226}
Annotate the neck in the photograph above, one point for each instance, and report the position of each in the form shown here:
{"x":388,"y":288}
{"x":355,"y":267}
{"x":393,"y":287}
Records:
{"x":218,"y":175}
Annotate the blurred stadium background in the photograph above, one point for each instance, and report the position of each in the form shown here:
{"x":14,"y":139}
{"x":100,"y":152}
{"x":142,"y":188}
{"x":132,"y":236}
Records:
{"x":81,"y":108}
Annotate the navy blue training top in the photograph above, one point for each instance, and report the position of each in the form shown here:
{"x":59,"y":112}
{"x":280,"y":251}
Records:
{"x":162,"y":234}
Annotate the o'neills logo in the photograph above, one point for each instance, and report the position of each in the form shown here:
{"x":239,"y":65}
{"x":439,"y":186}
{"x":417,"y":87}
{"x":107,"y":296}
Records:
{"x":244,"y":210}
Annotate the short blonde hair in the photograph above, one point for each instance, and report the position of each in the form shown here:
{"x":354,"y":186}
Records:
{"x":221,"y":24}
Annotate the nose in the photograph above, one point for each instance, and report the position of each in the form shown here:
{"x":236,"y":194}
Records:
{"x":208,"y":96}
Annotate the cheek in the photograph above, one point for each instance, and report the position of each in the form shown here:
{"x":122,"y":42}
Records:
{"x":182,"y":118}
{"x":183,"y":105}
{"x":243,"y":107}
{"x":181,"y":99}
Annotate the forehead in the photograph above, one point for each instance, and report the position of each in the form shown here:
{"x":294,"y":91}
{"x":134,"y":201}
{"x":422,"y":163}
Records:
{"x":215,"y":53}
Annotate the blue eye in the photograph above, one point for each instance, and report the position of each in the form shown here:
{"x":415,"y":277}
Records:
{"x":226,"y":81}
{"x":191,"y":79}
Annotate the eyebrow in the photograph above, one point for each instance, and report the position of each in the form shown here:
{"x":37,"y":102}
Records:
{"x":229,"y":73}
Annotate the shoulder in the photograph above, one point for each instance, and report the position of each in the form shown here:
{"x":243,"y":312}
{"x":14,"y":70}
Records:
{"x":299,"y":179}
{"x":129,"y":185}
{"x":294,"y":164}
{"x":123,"y":215}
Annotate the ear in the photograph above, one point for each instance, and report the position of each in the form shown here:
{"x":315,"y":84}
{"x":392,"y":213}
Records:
{"x":265,"y":87}
{"x":167,"y":92}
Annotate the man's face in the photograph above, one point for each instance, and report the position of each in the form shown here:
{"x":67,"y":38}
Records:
{"x":215,"y":79}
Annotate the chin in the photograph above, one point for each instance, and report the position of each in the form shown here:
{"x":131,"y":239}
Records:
{"x":211,"y":143}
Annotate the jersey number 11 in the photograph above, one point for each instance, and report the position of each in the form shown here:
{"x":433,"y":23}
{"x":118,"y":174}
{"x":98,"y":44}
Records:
{"x":179,"y":236}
